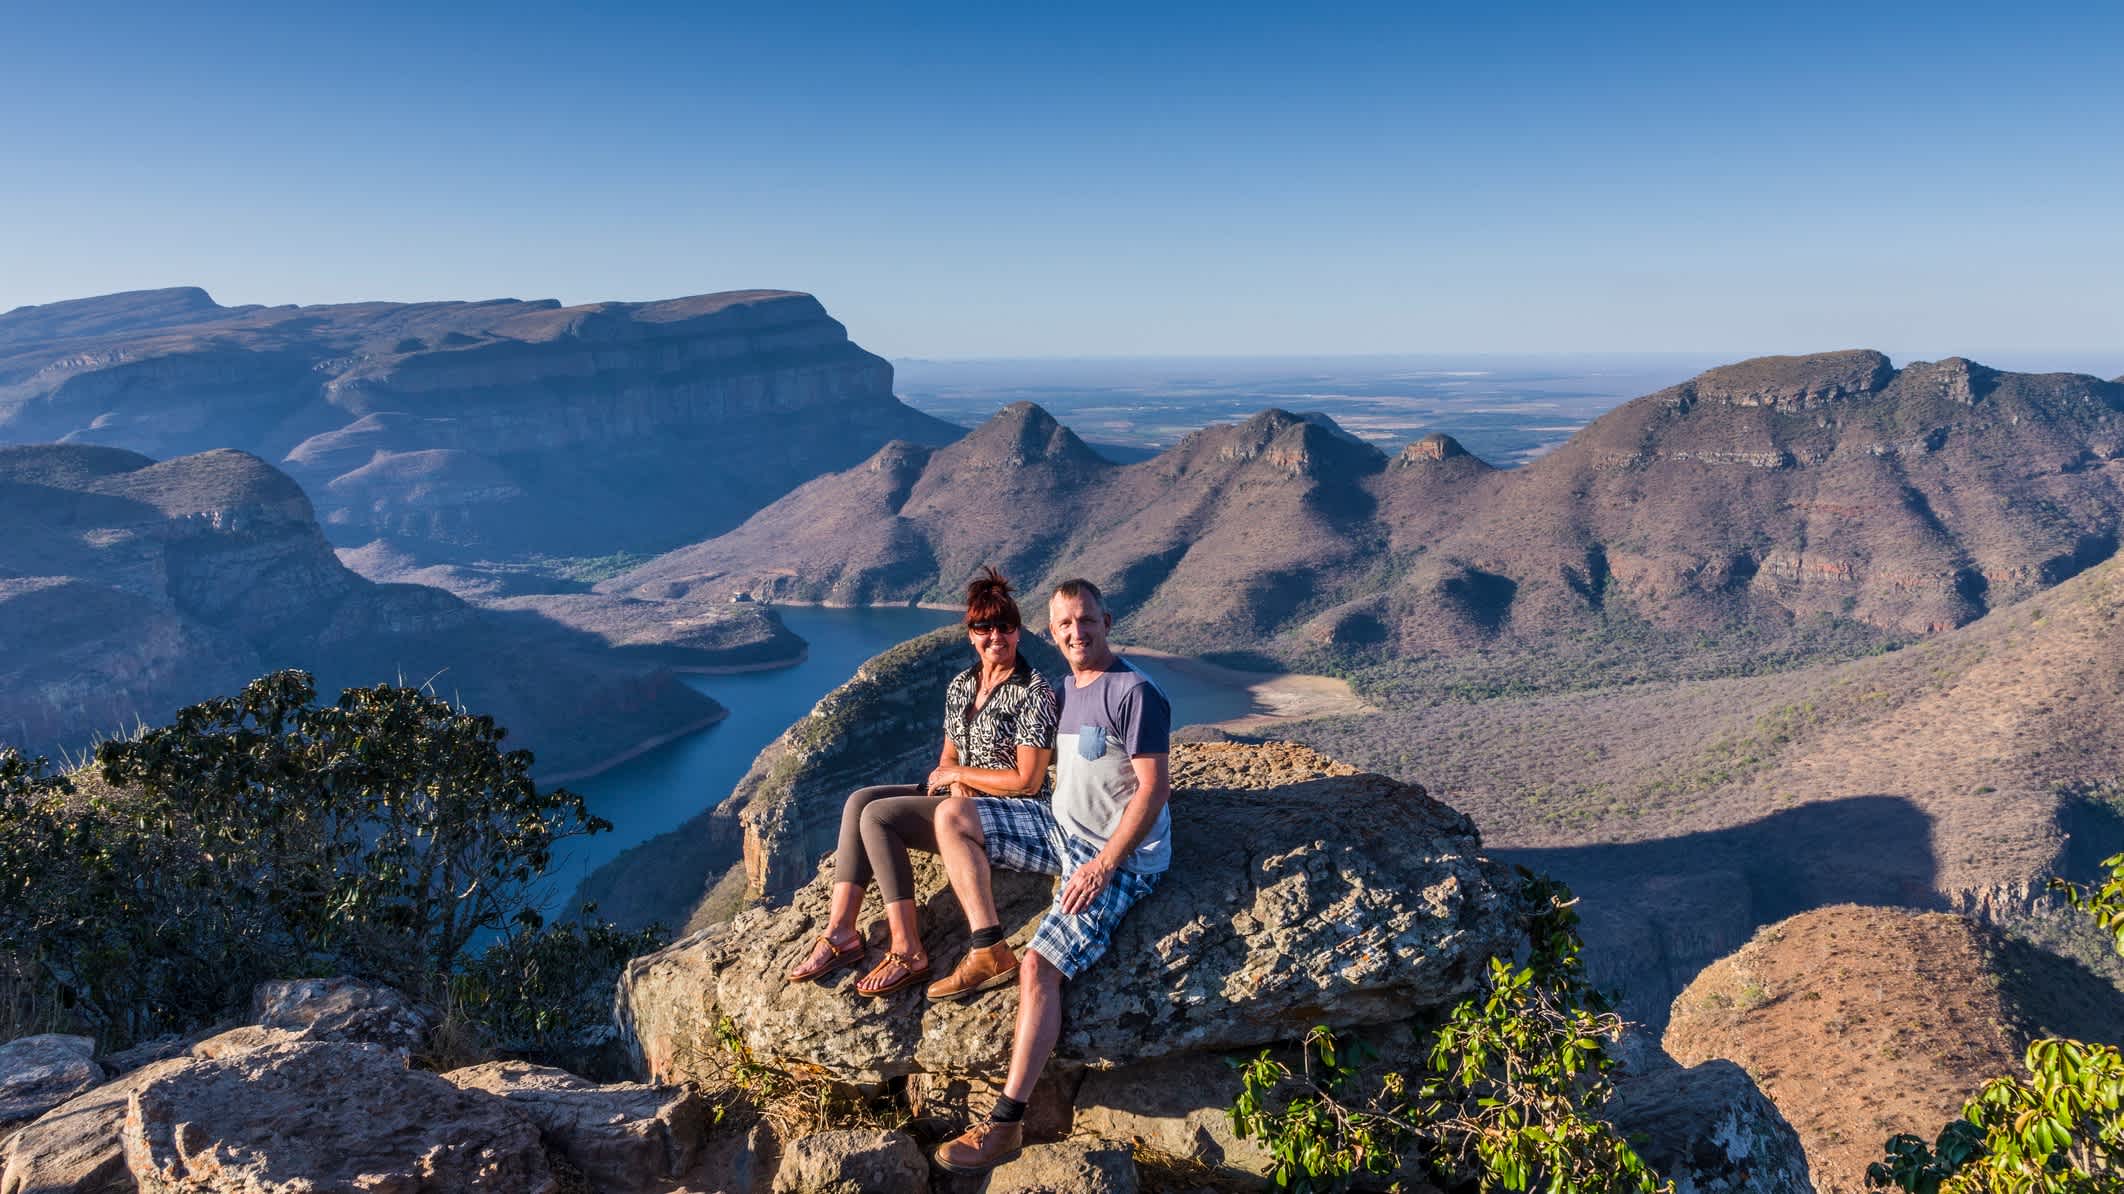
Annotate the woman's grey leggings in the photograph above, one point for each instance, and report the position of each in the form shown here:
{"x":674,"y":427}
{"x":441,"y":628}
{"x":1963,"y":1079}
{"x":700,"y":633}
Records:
{"x":877,"y":827}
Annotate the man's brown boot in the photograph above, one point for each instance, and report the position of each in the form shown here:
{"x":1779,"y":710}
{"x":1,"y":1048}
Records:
{"x":981,"y":1147}
{"x":981,"y":969}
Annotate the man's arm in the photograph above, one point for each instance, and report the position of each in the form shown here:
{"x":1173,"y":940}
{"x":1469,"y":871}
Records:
{"x":1154,"y":786}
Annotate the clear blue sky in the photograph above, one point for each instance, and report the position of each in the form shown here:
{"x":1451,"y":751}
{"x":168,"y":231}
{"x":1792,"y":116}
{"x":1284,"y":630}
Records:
{"x":1080,"y":179}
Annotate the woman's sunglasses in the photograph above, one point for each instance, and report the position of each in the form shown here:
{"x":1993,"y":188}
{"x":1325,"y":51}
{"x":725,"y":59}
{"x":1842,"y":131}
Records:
{"x":986,"y":625}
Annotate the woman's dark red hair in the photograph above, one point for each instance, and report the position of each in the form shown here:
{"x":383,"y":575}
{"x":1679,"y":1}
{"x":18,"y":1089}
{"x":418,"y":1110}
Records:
{"x":988,"y":600}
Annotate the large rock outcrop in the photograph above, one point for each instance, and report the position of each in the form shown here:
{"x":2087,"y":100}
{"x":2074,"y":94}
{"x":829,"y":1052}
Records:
{"x":328,"y":1118}
{"x":130,"y":587}
{"x":473,"y":430}
{"x":1301,"y":892}
{"x":306,"y":1102}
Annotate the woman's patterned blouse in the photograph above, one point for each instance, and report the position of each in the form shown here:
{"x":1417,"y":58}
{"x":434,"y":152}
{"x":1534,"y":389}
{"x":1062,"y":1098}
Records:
{"x":1020,"y":712}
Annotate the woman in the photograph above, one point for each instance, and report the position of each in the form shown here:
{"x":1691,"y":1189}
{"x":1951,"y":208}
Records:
{"x":999,"y":734}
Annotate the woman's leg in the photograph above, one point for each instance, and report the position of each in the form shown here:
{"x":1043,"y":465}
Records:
{"x":890,"y":827}
{"x":851,"y":874}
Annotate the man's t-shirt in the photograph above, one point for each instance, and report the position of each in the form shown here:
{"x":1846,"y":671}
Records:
{"x":1122,"y":713}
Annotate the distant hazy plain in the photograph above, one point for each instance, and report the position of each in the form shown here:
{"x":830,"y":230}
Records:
{"x":1506,"y":409}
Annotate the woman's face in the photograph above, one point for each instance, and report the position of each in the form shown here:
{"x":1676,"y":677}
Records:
{"x":993,"y":642}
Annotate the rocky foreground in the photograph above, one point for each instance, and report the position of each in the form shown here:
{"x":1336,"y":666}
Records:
{"x":1302,"y":892}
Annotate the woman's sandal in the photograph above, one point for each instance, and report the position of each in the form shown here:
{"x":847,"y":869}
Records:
{"x":815,"y":967}
{"x":908,"y":976}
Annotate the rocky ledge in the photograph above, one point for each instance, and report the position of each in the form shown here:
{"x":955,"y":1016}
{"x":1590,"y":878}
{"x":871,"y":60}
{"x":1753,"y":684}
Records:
{"x":1302,"y":892}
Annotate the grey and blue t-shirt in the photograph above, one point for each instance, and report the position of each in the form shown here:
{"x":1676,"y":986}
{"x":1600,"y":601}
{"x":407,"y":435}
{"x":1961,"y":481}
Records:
{"x":1120,"y":714}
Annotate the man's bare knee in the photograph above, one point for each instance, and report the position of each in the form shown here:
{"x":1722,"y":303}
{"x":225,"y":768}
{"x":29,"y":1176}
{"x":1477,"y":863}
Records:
{"x":1034,"y":970}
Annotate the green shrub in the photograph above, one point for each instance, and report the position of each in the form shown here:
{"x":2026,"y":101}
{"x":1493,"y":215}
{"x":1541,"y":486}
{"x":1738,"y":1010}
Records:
{"x":264,"y":836}
{"x":546,"y":990}
{"x":1504,"y":1102}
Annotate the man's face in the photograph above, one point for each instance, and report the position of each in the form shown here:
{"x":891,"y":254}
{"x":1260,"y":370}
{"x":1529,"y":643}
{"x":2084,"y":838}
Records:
{"x":1079,"y":626}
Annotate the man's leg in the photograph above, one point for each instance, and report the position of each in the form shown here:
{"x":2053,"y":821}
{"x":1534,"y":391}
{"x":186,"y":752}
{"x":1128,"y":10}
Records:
{"x":1039,"y":1023}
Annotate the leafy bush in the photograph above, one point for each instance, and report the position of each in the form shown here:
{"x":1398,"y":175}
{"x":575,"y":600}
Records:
{"x":1504,"y":1103}
{"x":547,"y":989}
{"x":264,"y":836}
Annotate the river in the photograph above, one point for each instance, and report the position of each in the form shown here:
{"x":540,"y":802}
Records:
{"x":656,"y":792}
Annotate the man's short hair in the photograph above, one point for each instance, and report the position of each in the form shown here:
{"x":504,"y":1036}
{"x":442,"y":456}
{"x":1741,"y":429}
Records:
{"x":1079,"y":589}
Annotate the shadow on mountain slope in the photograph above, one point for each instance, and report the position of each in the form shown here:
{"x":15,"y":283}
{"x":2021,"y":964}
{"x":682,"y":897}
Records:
{"x":1657,"y":912}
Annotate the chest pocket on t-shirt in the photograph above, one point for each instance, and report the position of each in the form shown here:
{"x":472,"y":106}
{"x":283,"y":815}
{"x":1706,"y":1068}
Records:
{"x":1091,"y":742}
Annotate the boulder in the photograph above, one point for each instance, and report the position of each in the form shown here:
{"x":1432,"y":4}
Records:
{"x":1079,"y":1166}
{"x":625,"y":1137}
{"x":78,"y":1147}
{"x":1710,"y":1130}
{"x":37,"y":1073}
{"x":324,"y":1118}
{"x":853,"y":1163}
{"x":1301,"y":892}
{"x":343,"y":1009}
{"x":1178,"y":1107}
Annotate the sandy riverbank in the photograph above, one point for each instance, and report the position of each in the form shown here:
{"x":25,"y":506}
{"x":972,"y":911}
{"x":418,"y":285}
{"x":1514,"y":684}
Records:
{"x":1283,"y":696}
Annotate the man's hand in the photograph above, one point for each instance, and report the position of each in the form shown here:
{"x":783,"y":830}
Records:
{"x":1084,"y":886}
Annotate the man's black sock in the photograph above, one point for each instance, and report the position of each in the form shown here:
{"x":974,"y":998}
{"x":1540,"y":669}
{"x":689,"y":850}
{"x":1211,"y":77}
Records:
{"x":1008,"y":1111}
{"x":983,"y":938}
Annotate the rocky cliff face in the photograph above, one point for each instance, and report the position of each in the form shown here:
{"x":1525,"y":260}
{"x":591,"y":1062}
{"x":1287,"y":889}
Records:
{"x":473,"y":429}
{"x":129,"y":588}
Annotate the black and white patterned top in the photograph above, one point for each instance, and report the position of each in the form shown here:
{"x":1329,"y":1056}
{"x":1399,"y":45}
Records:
{"x":1020,"y":712}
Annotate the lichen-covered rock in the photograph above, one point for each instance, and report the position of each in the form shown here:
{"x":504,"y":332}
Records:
{"x":343,"y":1009}
{"x":625,"y":1137}
{"x":324,"y":1118}
{"x":1077,"y":1166}
{"x":853,"y":1163}
{"x":1301,"y":892}
{"x":1710,"y":1130}
{"x":38,"y":1073}
{"x":78,"y":1147}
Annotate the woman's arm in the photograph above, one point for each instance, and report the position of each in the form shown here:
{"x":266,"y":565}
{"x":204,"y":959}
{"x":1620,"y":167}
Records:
{"x":1024,"y":780}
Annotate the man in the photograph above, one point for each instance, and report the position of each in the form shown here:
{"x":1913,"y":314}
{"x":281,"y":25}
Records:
{"x":1107,"y":835}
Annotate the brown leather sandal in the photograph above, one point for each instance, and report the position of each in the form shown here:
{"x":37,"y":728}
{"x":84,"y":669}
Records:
{"x":837,"y":957}
{"x":907,"y":978}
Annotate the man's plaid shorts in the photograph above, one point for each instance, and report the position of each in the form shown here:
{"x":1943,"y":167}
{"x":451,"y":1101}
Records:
{"x":1024,"y":836}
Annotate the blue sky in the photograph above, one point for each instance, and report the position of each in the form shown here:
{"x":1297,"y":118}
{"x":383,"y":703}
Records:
{"x":1094,"y":180}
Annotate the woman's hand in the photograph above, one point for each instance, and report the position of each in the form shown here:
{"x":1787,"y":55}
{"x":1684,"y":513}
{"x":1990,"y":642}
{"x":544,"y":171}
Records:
{"x":1085,"y":884}
{"x":942,"y":777}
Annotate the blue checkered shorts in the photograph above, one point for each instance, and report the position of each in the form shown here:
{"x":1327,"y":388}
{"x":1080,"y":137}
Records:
{"x":1024,"y":836}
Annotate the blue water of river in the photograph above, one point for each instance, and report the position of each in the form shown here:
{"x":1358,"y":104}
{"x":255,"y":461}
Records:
{"x":662,"y":789}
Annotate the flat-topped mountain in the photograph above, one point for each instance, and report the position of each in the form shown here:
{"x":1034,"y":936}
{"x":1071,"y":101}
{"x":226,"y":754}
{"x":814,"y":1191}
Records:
{"x":472,"y":430}
{"x":1763,"y":503}
{"x":130,"y":587}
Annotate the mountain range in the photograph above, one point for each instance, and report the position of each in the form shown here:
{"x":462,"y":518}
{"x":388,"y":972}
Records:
{"x":1822,"y":503}
{"x":456,"y":431}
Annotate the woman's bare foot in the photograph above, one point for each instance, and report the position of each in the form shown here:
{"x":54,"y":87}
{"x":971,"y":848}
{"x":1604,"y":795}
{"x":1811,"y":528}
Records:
{"x":896,"y":971}
{"x":829,"y":953}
